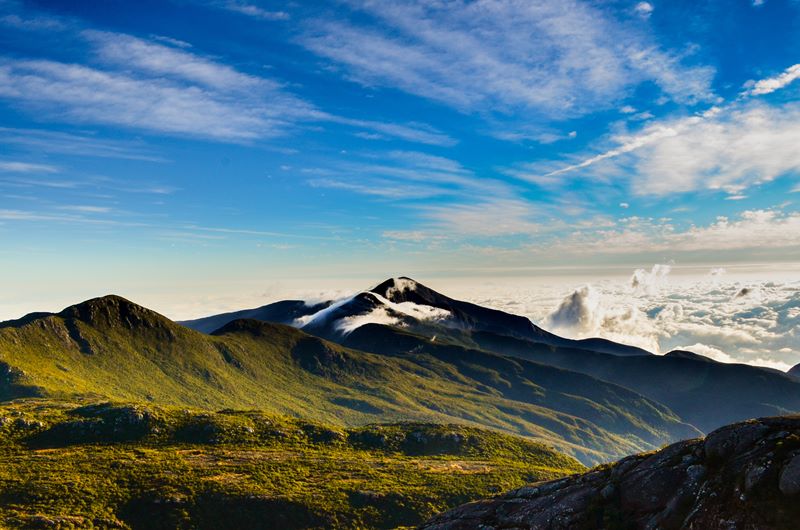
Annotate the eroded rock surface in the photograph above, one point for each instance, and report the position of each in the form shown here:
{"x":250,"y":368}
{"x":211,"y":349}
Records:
{"x":742,"y":476}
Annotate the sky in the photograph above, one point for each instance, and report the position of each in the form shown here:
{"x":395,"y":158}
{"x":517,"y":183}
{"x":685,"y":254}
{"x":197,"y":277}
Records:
{"x":204,"y":155}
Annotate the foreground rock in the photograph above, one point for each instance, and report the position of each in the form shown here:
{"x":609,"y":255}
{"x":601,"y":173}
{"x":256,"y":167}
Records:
{"x":743,"y":476}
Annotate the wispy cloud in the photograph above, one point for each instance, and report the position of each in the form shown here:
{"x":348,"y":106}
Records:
{"x":169,"y":90}
{"x":771,"y":84}
{"x":82,"y":208}
{"x":379,"y":188}
{"x":411,"y":132}
{"x":46,"y":141}
{"x":486,"y":218}
{"x":148,"y":57}
{"x":405,"y":175}
{"x":86,"y":95}
{"x":37,"y":23}
{"x":554,"y":58}
{"x":26,"y":167}
{"x":79,"y":217}
{"x":252,"y":10}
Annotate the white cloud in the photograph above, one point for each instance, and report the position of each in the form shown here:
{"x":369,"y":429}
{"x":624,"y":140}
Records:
{"x":642,"y":116}
{"x":255,"y":11}
{"x":412,"y":132}
{"x":169,"y":90}
{"x":404,"y":175}
{"x":489,"y":218}
{"x":727,"y":149}
{"x":652,"y":280}
{"x":702,"y":315}
{"x":736,"y":149}
{"x":38,"y":23}
{"x":130,"y":52}
{"x":85,"y":209}
{"x":26,"y":167}
{"x":730,"y":147}
{"x":753,"y":229}
{"x":86,"y":95}
{"x":386,"y":189}
{"x":644,"y":9}
{"x":626,"y":144}
{"x":556,"y":58}
{"x":771,"y":84}
{"x":43,"y":141}
{"x":171,"y":41}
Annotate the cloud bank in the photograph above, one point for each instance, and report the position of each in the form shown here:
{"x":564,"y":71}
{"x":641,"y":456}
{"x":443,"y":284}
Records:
{"x":753,"y":322}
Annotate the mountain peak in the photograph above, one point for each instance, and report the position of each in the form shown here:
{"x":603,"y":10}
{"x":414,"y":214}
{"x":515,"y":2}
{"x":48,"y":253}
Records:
{"x":113,"y":310}
{"x":404,"y":289}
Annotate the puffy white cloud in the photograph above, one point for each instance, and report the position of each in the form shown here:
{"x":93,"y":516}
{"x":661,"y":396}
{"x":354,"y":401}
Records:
{"x":731,"y":150}
{"x":650,"y":281}
{"x":701,"y":314}
{"x":644,"y":9}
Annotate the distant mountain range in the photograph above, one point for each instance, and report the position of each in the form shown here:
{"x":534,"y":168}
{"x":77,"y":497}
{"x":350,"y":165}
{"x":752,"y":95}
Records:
{"x":398,"y":351}
{"x":412,"y":306}
{"x":401,"y":315}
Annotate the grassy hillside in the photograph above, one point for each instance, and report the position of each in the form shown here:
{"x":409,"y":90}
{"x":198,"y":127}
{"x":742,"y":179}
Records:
{"x":71,"y":465}
{"x":112,"y":348}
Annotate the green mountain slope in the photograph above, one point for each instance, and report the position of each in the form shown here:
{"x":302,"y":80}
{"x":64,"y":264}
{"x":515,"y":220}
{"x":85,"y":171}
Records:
{"x":63,"y":465}
{"x":113,"y":348}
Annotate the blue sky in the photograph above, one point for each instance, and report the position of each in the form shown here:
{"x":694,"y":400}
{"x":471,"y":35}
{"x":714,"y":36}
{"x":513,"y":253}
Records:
{"x":209,"y":146}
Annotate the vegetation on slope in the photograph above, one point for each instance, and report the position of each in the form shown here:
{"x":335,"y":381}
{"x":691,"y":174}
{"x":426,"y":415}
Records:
{"x":82,"y":465}
{"x":112,"y":348}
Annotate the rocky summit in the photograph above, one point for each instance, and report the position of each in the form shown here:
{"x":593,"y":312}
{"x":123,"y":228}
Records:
{"x":743,"y":476}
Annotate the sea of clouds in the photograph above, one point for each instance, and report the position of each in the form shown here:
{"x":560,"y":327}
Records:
{"x":723,"y":316}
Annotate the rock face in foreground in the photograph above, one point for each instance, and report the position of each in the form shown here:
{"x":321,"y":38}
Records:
{"x":742,"y":476}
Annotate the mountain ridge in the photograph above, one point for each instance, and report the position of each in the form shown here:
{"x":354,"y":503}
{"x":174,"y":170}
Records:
{"x":386,"y":301}
{"x":114,"y":348}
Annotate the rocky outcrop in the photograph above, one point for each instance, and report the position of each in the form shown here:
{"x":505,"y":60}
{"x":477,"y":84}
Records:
{"x":742,"y":476}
